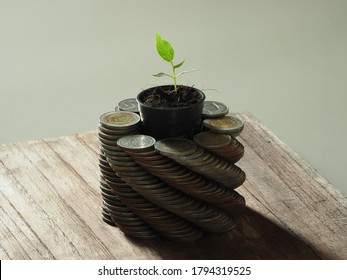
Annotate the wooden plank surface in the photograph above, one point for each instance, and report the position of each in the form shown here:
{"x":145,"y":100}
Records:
{"x":50,"y":206}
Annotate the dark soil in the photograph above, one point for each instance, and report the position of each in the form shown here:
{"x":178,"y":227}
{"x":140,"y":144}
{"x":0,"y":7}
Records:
{"x":165,"y":97}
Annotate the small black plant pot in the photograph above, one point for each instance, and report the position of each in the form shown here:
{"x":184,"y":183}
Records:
{"x":177,"y":119}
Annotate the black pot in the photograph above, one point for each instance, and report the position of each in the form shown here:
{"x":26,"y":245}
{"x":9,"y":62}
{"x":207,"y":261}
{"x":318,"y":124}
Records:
{"x":170,"y":122}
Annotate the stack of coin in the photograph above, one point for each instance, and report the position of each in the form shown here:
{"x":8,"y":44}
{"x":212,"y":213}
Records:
{"x":187,"y":153}
{"x":131,"y":174}
{"x":214,"y":109}
{"x":185,"y":180}
{"x":109,"y":196}
{"x":112,"y":126}
{"x":173,"y":187}
{"x":227,"y":124}
{"x":222,"y":145}
{"x":115,"y":211}
{"x":204,"y":215}
{"x":116,"y":124}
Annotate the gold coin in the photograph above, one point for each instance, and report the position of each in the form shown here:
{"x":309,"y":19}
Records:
{"x":119,"y":119}
{"x":226,"y":124}
{"x":209,"y":140}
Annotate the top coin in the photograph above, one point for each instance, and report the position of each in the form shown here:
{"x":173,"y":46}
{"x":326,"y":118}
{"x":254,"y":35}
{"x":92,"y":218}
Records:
{"x":136,"y":142}
{"x":129,"y":104}
{"x":210,"y":140}
{"x":175,"y":146}
{"x":226,"y":124}
{"x":119,"y":119}
{"x":214,"y":109}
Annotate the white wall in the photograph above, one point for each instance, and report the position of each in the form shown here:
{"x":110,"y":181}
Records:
{"x":65,"y":62}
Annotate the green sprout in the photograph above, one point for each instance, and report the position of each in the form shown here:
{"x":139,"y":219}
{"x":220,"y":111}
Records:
{"x":166,"y":51}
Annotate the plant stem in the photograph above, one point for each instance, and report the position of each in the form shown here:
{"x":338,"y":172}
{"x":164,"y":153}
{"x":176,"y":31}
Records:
{"x":174,"y":76}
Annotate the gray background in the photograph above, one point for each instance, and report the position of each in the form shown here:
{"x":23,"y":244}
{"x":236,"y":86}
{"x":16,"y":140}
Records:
{"x":64,"y":63}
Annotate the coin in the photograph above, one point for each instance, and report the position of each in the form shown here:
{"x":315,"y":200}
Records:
{"x":232,"y":152}
{"x":110,"y":148}
{"x":175,"y":147}
{"x":108,"y":220}
{"x":213,"y":109}
{"x":117,"y":133}
{"x":119,"y":120}
{"x":107,"y":142}
{"x":226,"y":124}
{"x":129,"y":104}
{"x":121,"y":161}
{"x":137,"y":142}
{"x":209,"y":140}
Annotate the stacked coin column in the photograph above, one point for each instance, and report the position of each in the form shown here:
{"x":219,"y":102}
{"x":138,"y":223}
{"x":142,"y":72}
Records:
{"x":175,"y":187}
{"x":190,"y":174}
{"x":199,"y":213}
{"x":112,"y":126}
{"x":135,"y":215}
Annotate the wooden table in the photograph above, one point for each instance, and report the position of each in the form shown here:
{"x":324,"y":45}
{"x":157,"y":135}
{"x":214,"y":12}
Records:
{"x":50,"y":206}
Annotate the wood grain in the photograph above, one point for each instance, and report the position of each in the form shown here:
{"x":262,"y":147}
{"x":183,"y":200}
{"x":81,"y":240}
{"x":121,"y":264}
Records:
{"x":50,"y":206}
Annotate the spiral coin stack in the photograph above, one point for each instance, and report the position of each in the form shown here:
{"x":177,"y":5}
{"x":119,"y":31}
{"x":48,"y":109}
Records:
{"x":187,"y":153}
{"x":177,"y":188}
{"x":159,"y":219}
{"x":199,"y":213}
{"x":222,"y":145}
{"x":187,"y":181}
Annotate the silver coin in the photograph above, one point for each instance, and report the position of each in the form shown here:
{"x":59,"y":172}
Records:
{"x":144,"y":154}
{"x":117,"y":133}
{"x":213,"y":109}
{"x":129,"y":104}
{"x":210,"y":140}
{"x":198,"y":153}
{"x":226,"y":124}
{"x":119,"y":120}
{"x":204,"y":159}
{"x":124,"y":163}
{"x":109,"y":148}
{"x":117,"y":153}
{"x":106,"y":141}
{"x":125,"y":158}
{"x":175,"y":147}
{"x":120,"y":168}
{"x":137,"y":142}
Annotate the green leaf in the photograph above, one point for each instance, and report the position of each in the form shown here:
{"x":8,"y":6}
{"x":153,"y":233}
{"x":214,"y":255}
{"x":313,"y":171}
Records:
{"x":179,"y":64}
{"x":164,"y":48}
{"x":186,"y":71}
{"x":161,"y":74}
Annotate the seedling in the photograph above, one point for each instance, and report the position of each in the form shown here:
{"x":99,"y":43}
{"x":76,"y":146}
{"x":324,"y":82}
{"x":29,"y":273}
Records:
{"x":166,"y":52}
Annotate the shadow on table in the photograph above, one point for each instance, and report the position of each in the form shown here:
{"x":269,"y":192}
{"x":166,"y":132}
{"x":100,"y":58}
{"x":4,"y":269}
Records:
{"x":255,"y":237}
